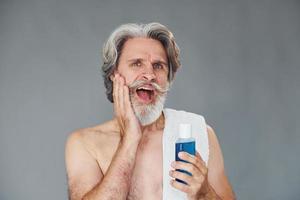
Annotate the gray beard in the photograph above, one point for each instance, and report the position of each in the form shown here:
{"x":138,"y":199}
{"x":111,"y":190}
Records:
{"x":148,"y":114}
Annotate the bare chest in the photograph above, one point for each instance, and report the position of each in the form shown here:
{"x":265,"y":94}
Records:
{"x":147,"y":177}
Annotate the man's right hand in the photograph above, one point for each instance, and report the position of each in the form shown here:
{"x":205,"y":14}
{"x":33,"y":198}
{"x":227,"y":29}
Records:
{"x":130,"y":128}
{"x":85,"y":177}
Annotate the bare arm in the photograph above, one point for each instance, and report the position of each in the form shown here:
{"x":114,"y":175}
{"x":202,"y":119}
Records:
{"x":82,"y":169}
{"x":86,"y":181}
{"x":217,"y":178}
{"x":85,"y":178}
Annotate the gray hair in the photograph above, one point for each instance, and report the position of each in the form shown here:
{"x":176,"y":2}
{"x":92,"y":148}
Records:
{"x":112,"y":48}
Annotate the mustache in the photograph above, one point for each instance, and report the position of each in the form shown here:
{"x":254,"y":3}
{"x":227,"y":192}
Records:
{"x":138,"y":83}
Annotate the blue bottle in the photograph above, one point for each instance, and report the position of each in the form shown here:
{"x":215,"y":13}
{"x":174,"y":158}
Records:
{"x":186,"y":143}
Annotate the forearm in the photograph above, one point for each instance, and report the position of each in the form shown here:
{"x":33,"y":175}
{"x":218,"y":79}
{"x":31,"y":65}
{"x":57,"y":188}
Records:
{"x":116,"y":182}
{"x":210,"y":194}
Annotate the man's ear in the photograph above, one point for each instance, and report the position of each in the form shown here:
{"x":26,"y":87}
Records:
{"x":111,"y":77}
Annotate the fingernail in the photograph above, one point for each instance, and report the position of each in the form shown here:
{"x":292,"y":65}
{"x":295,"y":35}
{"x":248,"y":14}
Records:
{"x":180,"y":154}
{"x":173,"y":164}
{"x":171,"y":182}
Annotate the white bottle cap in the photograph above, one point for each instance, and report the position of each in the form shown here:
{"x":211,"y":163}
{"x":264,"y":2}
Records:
{"x":185,"y":131}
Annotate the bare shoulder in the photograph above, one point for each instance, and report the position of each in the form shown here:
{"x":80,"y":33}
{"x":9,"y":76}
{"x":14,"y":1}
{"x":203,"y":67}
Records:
{"x":80,"y":138}
{"x":212,"y":138}
{"x":215,"y":161}
{"x":82,"y":158}
{"x":92,"y":142}
{"x":211,"y":132}
{"x":216,"y":170}
{"x":93,"y":138}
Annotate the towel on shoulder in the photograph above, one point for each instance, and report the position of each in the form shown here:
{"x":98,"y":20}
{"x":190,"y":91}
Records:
{"x":199,"y":131}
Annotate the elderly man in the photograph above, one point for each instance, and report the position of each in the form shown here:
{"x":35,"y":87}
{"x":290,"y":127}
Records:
{"x":123,"y":158}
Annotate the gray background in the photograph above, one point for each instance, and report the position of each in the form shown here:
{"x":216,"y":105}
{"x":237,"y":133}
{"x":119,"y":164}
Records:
{"x":241,"y":67}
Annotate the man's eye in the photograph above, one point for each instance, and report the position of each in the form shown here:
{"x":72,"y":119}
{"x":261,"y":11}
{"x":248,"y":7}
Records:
{"x":136,"y":64}
{"x":158,"y":66}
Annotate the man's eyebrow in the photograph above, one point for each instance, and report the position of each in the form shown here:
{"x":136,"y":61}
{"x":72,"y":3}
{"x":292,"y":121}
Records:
{"x":141,"y":59}
{"x":161,"y":62}
{"x":135,"y":59}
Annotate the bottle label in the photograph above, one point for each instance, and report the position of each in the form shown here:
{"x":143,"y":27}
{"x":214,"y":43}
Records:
{"x":188,"y":147}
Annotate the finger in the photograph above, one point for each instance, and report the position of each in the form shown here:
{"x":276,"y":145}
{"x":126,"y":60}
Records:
{"x":199,"y":156}
{"x":121,"y":95}
{"x":204,"y":166}
{"x":115,"y":94}
{"x":127,"y":99}
{"x":186,"y":166}
{"x":195,"y":160}
{"x":181,"y":175}
{"x":190,"y":158}
{"x":180,"y":186}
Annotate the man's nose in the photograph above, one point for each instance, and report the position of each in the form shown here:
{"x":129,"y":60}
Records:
{"x":148,"y":73}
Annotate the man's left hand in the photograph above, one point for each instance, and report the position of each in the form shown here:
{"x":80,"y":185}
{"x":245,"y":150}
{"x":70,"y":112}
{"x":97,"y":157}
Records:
{"x":197,"y":184}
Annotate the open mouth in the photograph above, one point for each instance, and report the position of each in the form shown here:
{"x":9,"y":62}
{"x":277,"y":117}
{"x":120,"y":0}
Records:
{"x":145,"y":94}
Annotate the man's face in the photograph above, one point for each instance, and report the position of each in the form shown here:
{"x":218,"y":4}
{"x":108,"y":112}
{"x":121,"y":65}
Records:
{"x":144,"y":65}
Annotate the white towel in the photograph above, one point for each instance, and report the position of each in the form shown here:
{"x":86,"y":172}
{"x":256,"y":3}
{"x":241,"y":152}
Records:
{"x":172,"y":120}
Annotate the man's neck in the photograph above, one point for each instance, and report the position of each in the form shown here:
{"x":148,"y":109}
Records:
{"x":158,"y":124}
